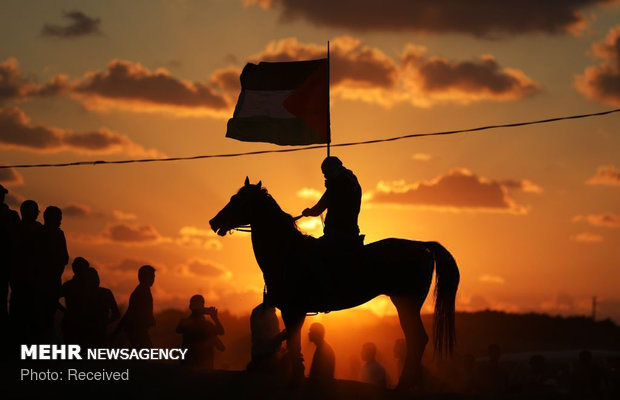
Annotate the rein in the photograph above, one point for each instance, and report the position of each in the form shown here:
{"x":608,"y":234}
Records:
{"x":248,"y":228}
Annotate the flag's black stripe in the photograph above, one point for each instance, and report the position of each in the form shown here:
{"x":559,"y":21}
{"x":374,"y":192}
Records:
{"x":279,"y":75}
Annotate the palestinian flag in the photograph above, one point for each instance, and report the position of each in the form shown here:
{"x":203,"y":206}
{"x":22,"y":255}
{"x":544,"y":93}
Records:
{"x":285,"y":103}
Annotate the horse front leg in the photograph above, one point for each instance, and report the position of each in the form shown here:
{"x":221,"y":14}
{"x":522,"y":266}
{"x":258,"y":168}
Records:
{"x":293,"y":321}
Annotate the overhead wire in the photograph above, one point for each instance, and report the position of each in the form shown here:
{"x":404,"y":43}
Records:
{"x":319,"y":146}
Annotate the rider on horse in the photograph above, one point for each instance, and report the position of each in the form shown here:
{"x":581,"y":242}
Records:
{"x":342,"y":200}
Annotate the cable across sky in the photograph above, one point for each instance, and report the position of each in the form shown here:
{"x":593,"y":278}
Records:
{"x":314,"y":147}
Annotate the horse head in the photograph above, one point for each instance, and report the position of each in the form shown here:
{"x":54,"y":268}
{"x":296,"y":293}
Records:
{"x":238,"y":211}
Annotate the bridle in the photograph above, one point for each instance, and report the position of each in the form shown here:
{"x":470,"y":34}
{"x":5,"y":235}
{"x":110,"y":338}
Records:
{"x":248,"y":227}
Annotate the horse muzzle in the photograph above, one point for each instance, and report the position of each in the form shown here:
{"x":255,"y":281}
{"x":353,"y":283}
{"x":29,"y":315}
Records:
{"x":218,"y":226}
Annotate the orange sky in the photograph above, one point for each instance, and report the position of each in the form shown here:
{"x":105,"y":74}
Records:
{"x":531,"y":214}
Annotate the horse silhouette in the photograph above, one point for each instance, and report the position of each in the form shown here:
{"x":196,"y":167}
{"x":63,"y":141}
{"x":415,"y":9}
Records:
{"x":301,"y":280}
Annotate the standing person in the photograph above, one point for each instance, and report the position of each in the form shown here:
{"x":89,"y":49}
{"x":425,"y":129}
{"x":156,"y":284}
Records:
{"x":9,"y":223}
{"x":372,"y":372}
{"x":200,"y":336}
{"x":102,"y":310}
{"x":324,"y":360}
{"x":54,"y":257}
{"x":493,"y":374}
{"x":22,"y":304}
{"x":138,"y":318}
{"x":75,"y":292}
{"x":266,"y":337}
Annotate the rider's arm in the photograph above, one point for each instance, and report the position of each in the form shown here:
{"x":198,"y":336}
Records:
{"x":318,"y":208}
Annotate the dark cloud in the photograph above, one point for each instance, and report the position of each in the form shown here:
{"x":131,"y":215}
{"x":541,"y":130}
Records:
{"x":207,"y":268}
{"x":17,"y":132}
{"x":128,"y":86}
{"x":76,"y":210}
{"x":79,"y":24}
{"x":227,"y":79}
{"x":10,"y":177}
{"x":193,"y":237}
{"x":130,"y":265}
{"x":602,"y":83}
{"x":15,"y":86}
{"x":458,"y":189}
{"x":524,"y":185}
{"x":480,"y":18}
{"x":124,"y":233}
{"x":131,"y":234}
{"x":463,"y":81}
{"x":607,"y":175}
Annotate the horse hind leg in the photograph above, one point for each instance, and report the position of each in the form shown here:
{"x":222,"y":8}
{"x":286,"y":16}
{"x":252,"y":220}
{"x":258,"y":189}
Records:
{"x":416,"y":340}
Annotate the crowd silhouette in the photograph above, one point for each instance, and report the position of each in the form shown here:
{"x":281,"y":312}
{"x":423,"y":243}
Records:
{"x":32,"y":262}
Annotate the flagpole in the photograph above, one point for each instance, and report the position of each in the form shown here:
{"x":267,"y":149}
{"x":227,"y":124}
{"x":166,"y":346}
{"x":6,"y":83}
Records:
{"x":329,"y":133}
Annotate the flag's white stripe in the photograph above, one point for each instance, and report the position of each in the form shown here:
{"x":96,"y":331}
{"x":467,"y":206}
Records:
{"x":266,"y":103}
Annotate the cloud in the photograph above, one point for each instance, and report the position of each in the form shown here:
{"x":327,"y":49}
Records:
{"x":435,"y":79}
{"x":311,"y":226}
{"x":135,"y":234}
{"x":76,"y":210}
{"x":459,"y":189}
{"x":129,"y":234}
{"x":15,"y":86}
{"x":227,"y":79}
{"x":524,"y":185}
{"x":362,"y":72}
{"x":565,"y":304}
{"x":309,"y":193}
{"x":587,"y":237}
{"x":10,"y":177}
{"x":131,"y":265}
{"x":494,"y":279}
{"x":131,"y":87}
{"x":192,"y":237}
{"x":486,"y":18}
{"x":207,"y":268}
{"x":601,"y":83}
{"x":605,"y":220}
{"x":125,"y":230}
{"x":16,"y":132}
{"x":79,"y":24}
{"x":607,"y":175}
{"x":421,"y":157}
{"x":359,"y":72}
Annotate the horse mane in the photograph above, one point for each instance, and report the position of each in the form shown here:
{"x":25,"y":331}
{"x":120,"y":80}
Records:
{"x":275,"y":208}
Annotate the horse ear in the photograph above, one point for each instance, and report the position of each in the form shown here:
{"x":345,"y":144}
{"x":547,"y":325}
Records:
{"x":247,"y":181}
{"x":259,"y":184}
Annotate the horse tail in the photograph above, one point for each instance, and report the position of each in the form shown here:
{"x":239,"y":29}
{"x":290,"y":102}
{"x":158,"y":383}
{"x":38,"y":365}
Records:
{"x":446,"y":283}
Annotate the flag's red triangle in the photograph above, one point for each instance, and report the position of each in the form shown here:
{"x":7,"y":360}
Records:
{"x":310,"y":102}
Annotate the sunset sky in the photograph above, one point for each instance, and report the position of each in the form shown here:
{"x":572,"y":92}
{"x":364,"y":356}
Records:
{"x":532,"y":214}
